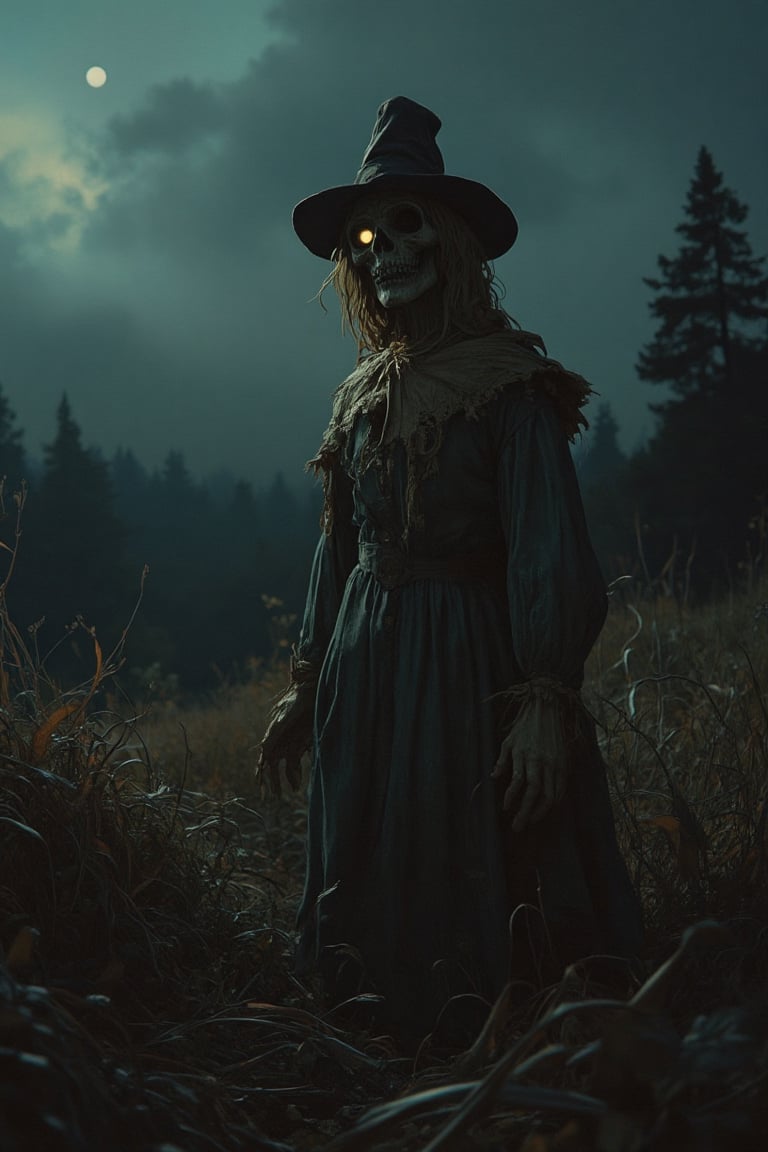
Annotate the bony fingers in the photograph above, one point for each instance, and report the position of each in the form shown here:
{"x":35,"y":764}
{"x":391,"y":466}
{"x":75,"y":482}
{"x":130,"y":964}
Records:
{"x":529,"y":801}
{"x":552,"y":792}
{"x":512,"y":792}
{"x":500,"y":768}
{"x":521,"y":821}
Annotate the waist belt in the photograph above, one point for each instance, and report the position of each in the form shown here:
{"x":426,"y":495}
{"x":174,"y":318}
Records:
{"x":392,"y":567}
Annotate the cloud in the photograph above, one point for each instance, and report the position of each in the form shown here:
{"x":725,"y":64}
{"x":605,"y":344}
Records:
{"x":179,"y":316}
{"x":174,"y":117}
{"x":45,"y":191}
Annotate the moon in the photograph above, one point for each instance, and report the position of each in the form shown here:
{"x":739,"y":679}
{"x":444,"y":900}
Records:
{"x":96,"y":77}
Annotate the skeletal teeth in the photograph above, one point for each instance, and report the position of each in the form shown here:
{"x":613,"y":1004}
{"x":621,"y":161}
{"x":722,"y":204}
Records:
{"x":395,"y":271}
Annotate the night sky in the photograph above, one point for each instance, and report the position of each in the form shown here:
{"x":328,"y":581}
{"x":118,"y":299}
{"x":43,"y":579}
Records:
{"x":147,"y":261}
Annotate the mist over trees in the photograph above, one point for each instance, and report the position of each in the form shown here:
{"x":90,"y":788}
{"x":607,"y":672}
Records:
{"x":220,"y":561}
{"x":224,"y":559}
{"x":13,"y":462}
{"x":602,"y":476}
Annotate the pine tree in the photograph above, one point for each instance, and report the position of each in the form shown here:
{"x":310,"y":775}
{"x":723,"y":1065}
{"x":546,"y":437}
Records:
{"x":75,"y":479}
{"x":176,"y":480}
{"x":12,"y":455}
{"x":281,"y":510}
{"x":72,"y":550}
{"x":703,"y":475}
{"x":130,"y":483}
{"x":709,"y":297}
{"x":605,"y":459}
{"x":601,"y":477}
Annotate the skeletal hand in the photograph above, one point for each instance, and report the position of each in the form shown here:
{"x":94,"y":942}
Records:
{"x":287,"y":738}
{"x":532,"y":759}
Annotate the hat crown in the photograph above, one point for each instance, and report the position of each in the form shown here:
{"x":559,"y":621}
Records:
{"x":403,"y":142}
{"x":403,"y":157}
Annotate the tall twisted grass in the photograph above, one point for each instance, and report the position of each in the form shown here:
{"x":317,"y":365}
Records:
{"x":147,"y":893}
{"x":132,"y":915}
{"x":679,"y":694}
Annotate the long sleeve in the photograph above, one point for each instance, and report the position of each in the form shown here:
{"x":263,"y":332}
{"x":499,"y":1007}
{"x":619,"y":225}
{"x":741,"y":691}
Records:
{"x":335,"y":557}
{"x":557,"y":597}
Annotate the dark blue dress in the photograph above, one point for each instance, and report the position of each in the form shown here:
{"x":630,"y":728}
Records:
{"x":413,"y":874}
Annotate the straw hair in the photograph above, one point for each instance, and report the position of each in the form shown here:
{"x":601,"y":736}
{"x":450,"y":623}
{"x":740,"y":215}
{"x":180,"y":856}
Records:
{"x":465,"y":302}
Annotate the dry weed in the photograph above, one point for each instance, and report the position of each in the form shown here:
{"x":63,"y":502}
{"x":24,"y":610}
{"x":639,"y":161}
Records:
{"x":147,"y":893}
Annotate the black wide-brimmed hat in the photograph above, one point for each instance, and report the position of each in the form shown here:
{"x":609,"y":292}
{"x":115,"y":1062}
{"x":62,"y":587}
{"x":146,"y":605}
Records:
{"x":403,"y":155}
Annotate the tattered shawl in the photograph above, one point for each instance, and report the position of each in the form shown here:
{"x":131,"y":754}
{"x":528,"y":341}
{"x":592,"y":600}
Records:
{"x":408,"y":398}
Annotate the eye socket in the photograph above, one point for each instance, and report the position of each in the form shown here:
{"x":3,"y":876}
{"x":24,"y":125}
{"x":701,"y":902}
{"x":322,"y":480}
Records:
{"x":406,"y":218}
{"x":360,"y":233}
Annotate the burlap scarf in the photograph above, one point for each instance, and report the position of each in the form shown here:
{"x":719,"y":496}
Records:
{"x":408,"y":398}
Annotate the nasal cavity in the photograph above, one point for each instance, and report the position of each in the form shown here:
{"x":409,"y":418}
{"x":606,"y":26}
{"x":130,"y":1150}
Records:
{"x":381,"y":242}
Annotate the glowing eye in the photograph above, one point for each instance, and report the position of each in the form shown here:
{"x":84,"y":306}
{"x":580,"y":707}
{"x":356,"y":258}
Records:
{"x":364,"y":236}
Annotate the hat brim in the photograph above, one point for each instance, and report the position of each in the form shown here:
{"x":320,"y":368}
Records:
{"x":319,"y":220}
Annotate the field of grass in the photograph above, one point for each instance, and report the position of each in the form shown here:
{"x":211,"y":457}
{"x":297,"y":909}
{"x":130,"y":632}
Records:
{"x":147,"y":895}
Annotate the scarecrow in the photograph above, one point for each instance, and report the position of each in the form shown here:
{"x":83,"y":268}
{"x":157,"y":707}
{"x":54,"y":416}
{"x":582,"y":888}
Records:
{"x":459,"y":828}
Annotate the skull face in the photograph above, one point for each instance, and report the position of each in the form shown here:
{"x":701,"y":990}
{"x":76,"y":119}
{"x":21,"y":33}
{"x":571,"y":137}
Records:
{"x":393,"y":240}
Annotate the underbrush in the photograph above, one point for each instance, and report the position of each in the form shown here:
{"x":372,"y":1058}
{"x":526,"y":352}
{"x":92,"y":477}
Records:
{"x":147,"y":894}
{"x":681,"y":700}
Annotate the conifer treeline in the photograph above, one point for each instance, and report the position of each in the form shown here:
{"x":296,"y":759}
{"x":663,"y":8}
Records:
{"x":219,"y":556}
{"x":219,"y":553}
